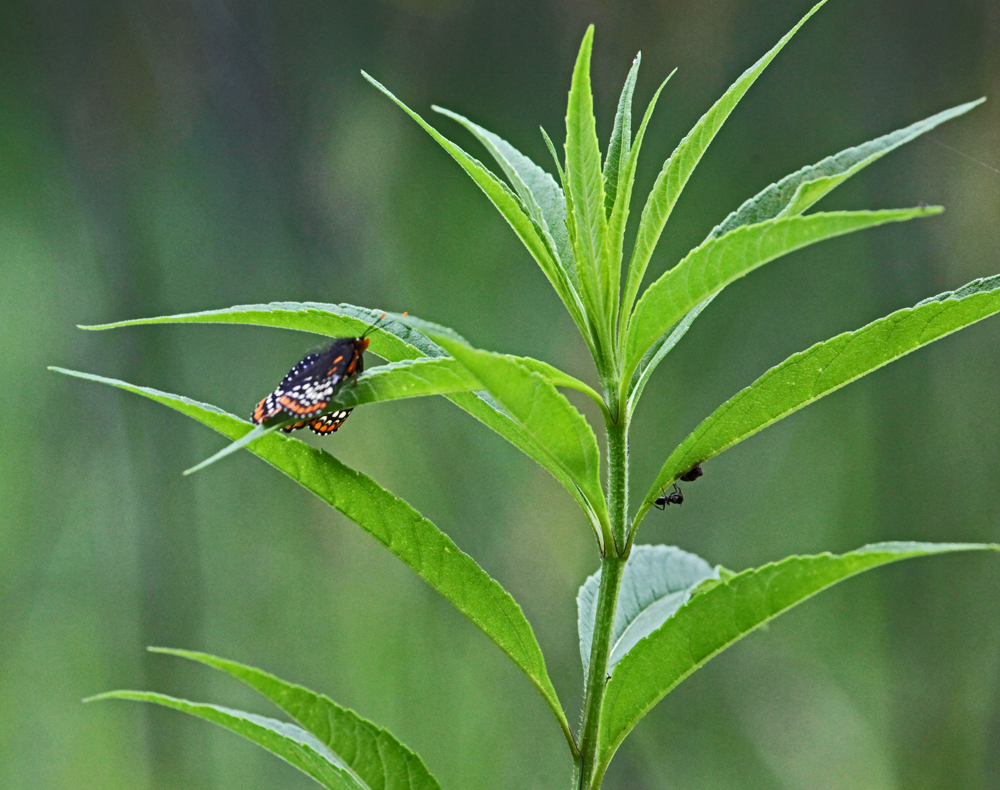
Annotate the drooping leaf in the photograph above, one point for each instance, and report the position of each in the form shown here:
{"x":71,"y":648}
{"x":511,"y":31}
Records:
{"x":393,"y":523}
{"x":541,"y":195}
{"x":374,"y":754}
{"x":621,"y":138}
{"x":681,"y":164}
{"x":721,"y":613}
{"x":825,"y":367}
{"x":289,"y":742}
{"x":791,"y":196}
{"x":544,"y":413}
{"x":656,"y":582}
{"x":712,"y":265}
{"x":506,"y":203}
{"x":586,"y":187}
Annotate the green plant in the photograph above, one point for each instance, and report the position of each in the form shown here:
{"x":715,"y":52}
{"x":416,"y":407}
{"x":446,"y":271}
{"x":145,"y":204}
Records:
{"x":679,"y":611}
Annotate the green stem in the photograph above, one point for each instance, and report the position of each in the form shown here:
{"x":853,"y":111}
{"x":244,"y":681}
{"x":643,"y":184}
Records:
{"x":612,"y":568}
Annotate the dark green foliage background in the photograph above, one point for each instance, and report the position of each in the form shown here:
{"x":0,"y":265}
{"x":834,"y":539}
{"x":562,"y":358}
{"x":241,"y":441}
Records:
{"x":168,"y":157}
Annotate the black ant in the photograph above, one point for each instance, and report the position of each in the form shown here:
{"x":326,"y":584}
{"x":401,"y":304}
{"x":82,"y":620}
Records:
{"x":675,"y":497}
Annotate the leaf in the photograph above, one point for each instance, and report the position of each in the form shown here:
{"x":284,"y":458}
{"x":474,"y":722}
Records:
{"x":619,"y":215}
{"x":375,"y":756}
{"x":711,"y":266}
{"x":394,"y":524}
{"x":390,"y":339}
{"x":681,"y":164}
{"x":292,"y":744}
{"x":797,"y":192}
{"x":411,"y":378}
{"x":722,"y":613}
{"x":825,"y":367}
{"x":789,"y":197}
{"x":552,"y":422}
{"x":656,"y":582}
{"x":396,"y":339}
{"x":621,"y":139}
{"x":506,"y":203}
{"x":541,"y":195}
{"x":586,"y":186}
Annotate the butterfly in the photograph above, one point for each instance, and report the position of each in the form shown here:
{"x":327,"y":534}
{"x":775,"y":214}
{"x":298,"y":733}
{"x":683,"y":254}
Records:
{"x":308,"y":388}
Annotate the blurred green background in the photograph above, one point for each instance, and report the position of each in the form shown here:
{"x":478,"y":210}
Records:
{"x":160,"y":157}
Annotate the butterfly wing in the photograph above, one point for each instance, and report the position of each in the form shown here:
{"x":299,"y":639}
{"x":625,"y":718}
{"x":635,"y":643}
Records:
{"x":329,"y":423}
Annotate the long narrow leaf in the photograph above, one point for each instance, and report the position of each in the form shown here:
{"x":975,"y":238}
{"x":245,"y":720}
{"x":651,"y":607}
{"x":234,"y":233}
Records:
{"x":292,"y":744}
{"x":621,"y":138}
{"x":714,"y":264}
{"x":501,"y":197}
{"x":791,"y":196}
{"x":371,"y":752}
{"x":396,"y":339}
{"x":827,"y":366}
{"x":719,"y":615}
{"x":798,"y":191}
{"x":394,"y":524}
{"x":586,"y":186}
{"x":411,"y":378}
{"x":544,"y":413}
{"x":682,"y":162}
{"x":541,"y":195}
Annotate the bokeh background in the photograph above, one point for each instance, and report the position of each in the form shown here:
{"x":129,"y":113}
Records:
{"x":160,"y":157}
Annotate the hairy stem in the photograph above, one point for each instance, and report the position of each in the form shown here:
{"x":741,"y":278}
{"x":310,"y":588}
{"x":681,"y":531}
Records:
{"x":612,"y":568}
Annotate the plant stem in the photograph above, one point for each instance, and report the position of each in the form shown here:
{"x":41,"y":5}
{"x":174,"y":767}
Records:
{"x":612,"y":568}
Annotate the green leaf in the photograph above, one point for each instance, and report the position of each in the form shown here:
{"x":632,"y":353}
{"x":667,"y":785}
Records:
{"x":681,"y":164}
{"x":507,"y":204}
{"x":375,"y":756}
{"x":394,"y":524}
{"x":711,"y":266}
{"x":391,"y":339}
{"x":541,"y":195}
{"x":553,"y":423}
{"x":410,"y":378}
{"x":789,"y":197}
{"x":825,"y":367}
{"x":292,"y":744}
{"x":621,"y":139}
{"x":399,"y":338}
{"x":797,"y":192}
{"x":722,"y":613}
{"x":586,"y":188}
{"x":619,"y":215}
{"x":657,"y":581}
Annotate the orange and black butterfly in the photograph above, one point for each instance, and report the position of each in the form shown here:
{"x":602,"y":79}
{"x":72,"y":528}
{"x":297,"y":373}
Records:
{"x":308,"y":387}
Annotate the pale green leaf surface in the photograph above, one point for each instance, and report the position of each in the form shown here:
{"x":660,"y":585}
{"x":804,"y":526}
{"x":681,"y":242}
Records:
{"x":538,"y":190}
{"x":723,"y":612}
{"x":825,"y":367}
{"x":682,"y":162}
{"x":657,"y":581}
{"x":504,"y":200}
{"x":289,"y":742}
{"x":711,"y":266}
{"x":586,"y":185}
{"x":554,"y":424}
{"x":621,"y":138}
{"x":798,"y":191}
{"x":371,"y":752}
{"x":393,"y":523}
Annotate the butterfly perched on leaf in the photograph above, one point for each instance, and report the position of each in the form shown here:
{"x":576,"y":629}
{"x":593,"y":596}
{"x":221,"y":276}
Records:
{"x":309,"y":387}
